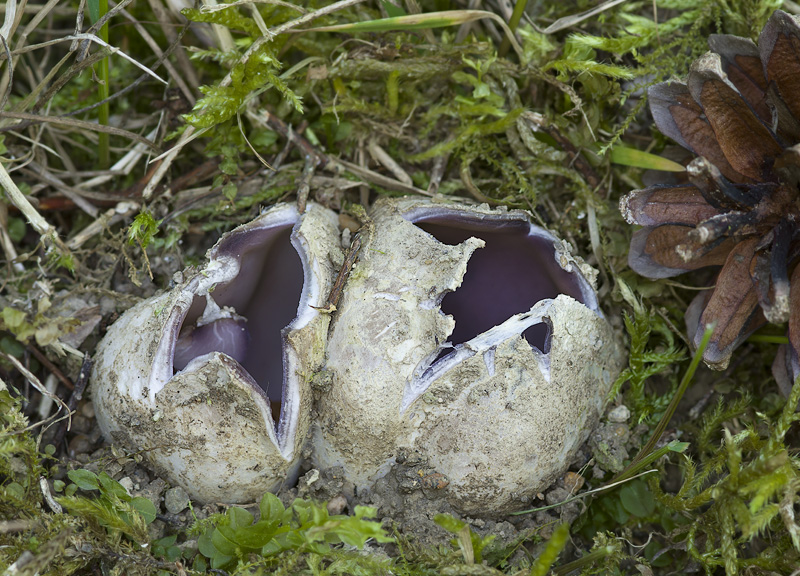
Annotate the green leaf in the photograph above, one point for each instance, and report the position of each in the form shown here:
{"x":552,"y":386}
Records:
{"x":449,"y":523}
{"x":271,"y":508}
{"x":637,"y":499}
{"x":239,"y":517}
{"x":639,"y":159}
{"x":17,"y":229}
{"x":144,"y":507}
{"x":166,"y":542}
{"x":94,"y":10}
{"x":393,"y":10}
{"x":13,"y":318}
{"x":222,"y":543}
{"x":356,"y":530}
{"x":199,"y":564}
{"x":84,"y":479}
{"x":205,"y":546}
{"x":112,"y":488}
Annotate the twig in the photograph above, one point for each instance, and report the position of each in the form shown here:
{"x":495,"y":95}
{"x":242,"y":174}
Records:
{"x":437,"y":173}
{"x":377,"y":179}
{"x":51,"y":367}
{"x":310,"y":166}
{"x":5,"y":240}
{"x":108,"y":218}
{"x":184,"y":63}
{"x":72,"y":193}
{"x":34,"y":381}
{"x":168,"y":159}
{"x":296,"y":138}
{"x":382,"y":157}
{"x":18,"y":199}
{"x":8,"y":21}
{"x":80,"y":124}
{"x":341,"y":278}
{"x":75,"y":397}
{"x":466,"y":178}
{"x":10,"y":73}
{"x":150,"y":41}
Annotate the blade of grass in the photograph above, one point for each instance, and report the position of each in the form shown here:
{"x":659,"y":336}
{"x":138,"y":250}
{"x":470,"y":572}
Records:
{"x":551,"y":551}
{"x":583,"y":495}
{"x":422,"y":22}
{"x":513,"y":22}
{"x":639,"y":159}
{"x":98,"y":9}
{"x":568,"y":21}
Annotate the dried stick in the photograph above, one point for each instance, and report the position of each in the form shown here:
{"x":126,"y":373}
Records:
{"x":42,"y":226}
{"x":75,"y":397}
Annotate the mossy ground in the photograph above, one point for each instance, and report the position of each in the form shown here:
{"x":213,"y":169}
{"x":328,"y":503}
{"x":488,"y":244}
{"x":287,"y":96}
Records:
{"x":446,"y":107}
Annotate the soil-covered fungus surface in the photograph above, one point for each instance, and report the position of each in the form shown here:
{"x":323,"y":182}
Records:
{"x":399,"y":287}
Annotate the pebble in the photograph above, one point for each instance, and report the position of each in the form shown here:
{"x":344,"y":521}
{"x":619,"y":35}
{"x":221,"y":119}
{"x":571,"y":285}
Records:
{"x":80,"y":444}
{"x":87,"y":410}
{"x":153,"y":491}
{"x":176,"y":500}
{"x":619,"y":414}
{"x":126,"y":483}
{"x":336,"y":505}
{"x":573,"y":482}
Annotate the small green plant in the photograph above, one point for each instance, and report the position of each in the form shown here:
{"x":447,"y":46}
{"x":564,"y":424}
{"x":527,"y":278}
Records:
{"x":20,"y":463}
{"x":746,"y":489}
{"x":111,"y":508}
{"x":142,"y":230}
{"x":646,"y":358}
{"x":471,"y":544}
{"x":303,"y":528}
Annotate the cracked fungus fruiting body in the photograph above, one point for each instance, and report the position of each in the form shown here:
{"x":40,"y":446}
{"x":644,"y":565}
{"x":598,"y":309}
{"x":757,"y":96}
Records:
{"x":466,"y":340}
{"x":472,"y":339}
{"x":198,"y":377}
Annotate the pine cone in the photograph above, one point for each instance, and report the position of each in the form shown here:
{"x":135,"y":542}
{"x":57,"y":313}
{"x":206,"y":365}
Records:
{"x":739,"y":113}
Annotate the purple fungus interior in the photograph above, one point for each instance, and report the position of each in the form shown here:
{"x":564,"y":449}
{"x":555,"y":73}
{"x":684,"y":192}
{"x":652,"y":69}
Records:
{"x":265,"y":296}
{"x":512,"y":272}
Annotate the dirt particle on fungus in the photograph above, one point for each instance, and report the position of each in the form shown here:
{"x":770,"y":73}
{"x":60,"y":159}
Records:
{"x":434,"y":481}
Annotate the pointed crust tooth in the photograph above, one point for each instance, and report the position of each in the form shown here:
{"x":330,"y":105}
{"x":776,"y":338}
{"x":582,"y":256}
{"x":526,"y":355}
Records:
{"x":658,"y":205}
{"x":661,"y":252}
{"x":748,"y":145}
{"x":678,"y":116}
{"x":770,"y":274}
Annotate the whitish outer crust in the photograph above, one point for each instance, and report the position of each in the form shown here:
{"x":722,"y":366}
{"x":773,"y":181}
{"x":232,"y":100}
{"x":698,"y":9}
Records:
{"x":501,"y":428}
{"x":206,"y":429}
{"x":387,"y":319}
{"x":502,"y":438}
